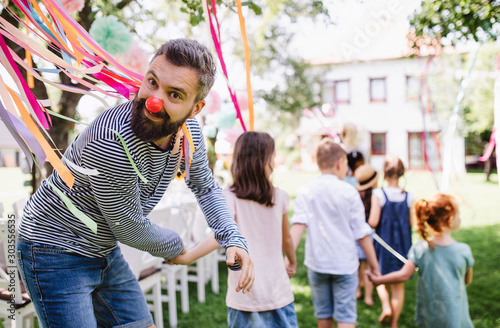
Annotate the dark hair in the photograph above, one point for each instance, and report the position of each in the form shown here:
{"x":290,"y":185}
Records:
{"x":366,"y":197}
{"x":354,"y":160}
{"x":253,"y":152}
{"x":328,"y":153}
{"x":191,"y":54}
{"x":434,"y":213}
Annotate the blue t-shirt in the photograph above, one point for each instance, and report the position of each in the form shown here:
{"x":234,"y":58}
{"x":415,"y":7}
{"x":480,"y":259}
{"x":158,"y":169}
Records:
{"x":441,"y":294}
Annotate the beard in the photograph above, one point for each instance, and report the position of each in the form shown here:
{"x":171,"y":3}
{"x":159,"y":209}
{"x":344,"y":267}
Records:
{"x":148,"y":130}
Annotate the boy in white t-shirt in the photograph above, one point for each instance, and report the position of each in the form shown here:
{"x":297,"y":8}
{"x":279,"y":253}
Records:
{"x":333,"y":212}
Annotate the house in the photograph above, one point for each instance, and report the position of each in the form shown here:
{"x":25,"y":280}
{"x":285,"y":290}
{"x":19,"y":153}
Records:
{"x":381,"y":97}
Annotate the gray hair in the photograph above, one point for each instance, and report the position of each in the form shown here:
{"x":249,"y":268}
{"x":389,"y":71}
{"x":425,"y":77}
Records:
{"x":191,"y":54}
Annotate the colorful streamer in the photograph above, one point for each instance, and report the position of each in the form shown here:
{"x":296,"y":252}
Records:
{"x":212,"y":11}
{"x":247,"y":63}
{"x":452,"y":124}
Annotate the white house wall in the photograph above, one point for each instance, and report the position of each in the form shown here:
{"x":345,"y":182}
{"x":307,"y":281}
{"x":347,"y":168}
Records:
{"x":396,"y":117}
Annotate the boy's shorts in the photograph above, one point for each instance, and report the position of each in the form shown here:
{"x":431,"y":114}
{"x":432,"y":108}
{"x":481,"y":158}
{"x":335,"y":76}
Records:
{"x":334,"y":296}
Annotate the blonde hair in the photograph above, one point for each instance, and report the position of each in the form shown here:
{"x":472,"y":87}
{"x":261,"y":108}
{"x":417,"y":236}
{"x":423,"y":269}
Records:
{"x":328,"y":153}
{"x":393,"y":167}
{"x":435,"y":214}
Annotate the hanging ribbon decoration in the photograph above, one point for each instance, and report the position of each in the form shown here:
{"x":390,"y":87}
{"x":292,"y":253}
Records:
{"x":496,"y":106}
{"x":452,"y":125}
{"x":210,"y":12}
{"x":247,"y":63}
{"x":82,"y":60}
{"x":427,"y":111}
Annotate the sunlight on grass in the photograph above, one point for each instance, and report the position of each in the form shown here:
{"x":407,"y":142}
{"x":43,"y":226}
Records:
{"x":301,"y":289}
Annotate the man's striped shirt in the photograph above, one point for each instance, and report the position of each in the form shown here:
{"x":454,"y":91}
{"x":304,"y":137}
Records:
{"x":117,"y":200}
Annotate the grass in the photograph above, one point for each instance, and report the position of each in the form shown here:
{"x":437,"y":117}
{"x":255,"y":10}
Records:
{"x":479,"y":208}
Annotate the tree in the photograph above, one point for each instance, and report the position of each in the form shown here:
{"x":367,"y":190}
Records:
{"x":451,"y":21}
{"x":134,"y":13}
{"x":444,"y":23}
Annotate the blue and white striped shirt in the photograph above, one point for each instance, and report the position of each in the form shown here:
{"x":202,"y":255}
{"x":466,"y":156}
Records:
{"x":117,"y":200}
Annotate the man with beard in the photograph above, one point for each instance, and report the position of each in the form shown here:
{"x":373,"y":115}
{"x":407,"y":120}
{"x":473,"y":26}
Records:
{"x":76,"y":278}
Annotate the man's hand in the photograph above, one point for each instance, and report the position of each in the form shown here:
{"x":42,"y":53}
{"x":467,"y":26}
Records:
{"x":237,"y":254}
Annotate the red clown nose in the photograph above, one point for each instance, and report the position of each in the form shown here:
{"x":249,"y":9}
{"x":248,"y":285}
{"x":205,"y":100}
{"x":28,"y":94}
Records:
{"x":154,"y":105}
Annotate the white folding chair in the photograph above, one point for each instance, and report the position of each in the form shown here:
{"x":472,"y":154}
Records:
{"x":15,"y":304}
{"x":175,"y":277}
{"x":18,"y":207}
{"x":205,"y":269}
{"x":146,"y":269}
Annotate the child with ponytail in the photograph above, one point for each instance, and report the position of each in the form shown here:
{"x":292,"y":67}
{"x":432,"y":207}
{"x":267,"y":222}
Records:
{"x":444,"y":266}
{"x":390,"y":216}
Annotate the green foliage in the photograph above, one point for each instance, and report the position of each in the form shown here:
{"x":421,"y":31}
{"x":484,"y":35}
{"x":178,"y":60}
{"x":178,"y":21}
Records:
{"x":476,"y":108}
{"x":456,"y":20}
{"x":452,"y":20}
{"x":195,"y":10}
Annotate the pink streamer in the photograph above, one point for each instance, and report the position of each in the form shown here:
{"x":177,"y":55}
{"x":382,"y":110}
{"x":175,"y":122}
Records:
{"x":491,"y":145}
{"x":218,"y":49}
{"x":39,"y":110}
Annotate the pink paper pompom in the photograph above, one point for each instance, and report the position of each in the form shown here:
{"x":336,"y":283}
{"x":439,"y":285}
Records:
{"x":73,"y":6}
{"x":135,"y":59}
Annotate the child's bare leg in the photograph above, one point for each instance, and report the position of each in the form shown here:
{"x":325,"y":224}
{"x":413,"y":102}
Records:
{"x":397,"y":301}
{"x":368,"y":284}
{"x":383,"y":294}
{"x":361,"y":280}
{"x":325,"y":323}
{"x":345,"y":325}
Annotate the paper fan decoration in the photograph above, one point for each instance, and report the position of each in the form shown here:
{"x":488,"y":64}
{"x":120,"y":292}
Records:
{"x":73,"y":6}
{"x":135,"y":59}
{"x":111,"y":34}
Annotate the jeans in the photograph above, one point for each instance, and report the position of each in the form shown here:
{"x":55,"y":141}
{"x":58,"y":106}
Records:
{"x":73,"y":291}
{"x":334,"y":295}
{"x":284,"y":317}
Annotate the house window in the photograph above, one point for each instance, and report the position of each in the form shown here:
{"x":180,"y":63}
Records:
{"x":378,"y":143}
{"x":412,"y":88}
{"x":416,"y":158}
{"x":377,"y":90}
{"x":341,"y":92}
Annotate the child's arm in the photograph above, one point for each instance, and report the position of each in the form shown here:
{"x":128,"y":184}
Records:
{"x":367,"y":246}
{"x":207,"y":246}
{"x":296,"y":232}
{"x":375,"y":210}
{"x":394,"y":277}
{"x":288,"y":248}
{"x":468,"y":277}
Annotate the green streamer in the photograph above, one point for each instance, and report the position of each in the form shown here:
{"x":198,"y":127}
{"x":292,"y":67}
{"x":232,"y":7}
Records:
{"x":91,"y":224}
{"x":122,"y":141}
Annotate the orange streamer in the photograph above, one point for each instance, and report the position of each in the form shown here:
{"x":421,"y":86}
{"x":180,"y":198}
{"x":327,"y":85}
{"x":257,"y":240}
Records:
{"x":52,"y":157}
{"x":247,"y":63}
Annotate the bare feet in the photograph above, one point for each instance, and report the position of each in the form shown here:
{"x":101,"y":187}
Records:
{"x":385,"y":317}
{"x":369,"y":301}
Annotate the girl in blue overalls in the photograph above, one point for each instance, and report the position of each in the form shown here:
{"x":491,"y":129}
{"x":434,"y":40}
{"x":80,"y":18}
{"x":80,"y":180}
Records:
{"x":390,"y":216}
